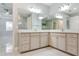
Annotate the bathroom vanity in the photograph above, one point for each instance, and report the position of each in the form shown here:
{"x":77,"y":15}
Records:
{"x":32,"y":40}
{"x":64,"y":41}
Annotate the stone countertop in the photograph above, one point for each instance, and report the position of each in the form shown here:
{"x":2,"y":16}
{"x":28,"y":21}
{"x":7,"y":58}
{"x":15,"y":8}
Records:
{"x":57,"y":31}
{"x":40,"y":31}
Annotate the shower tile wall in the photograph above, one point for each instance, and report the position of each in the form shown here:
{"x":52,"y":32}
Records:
{"x":5,"y":36}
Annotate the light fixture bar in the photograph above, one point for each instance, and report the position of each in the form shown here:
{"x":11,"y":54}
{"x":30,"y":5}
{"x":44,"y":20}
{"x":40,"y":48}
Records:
{"x":34,"y":10}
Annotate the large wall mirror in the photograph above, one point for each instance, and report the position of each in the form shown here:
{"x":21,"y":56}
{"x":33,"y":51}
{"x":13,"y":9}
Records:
{"x":33,"y":21}
{"x":36,"y":17}
{"x":41,"y":16}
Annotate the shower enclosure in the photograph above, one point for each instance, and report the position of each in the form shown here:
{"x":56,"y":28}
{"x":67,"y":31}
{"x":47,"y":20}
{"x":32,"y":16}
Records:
{"x":6,"y":28}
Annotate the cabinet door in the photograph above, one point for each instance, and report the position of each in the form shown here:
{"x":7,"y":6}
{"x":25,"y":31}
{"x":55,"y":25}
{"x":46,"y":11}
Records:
{"x":78,"y":44}
{"x":53,"y":40}
{"x":23,"y":42}
{"x":24,"y":47}
{"x":43,"y":41}
{"x":45,"y":33}
{"x":34,"y":42}
{"x":72,"y":43}
{"x":72,"y":50}
{"x":61,"y":42}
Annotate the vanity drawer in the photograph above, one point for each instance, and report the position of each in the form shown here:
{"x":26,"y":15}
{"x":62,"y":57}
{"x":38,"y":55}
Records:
{"x":35,"y":42}
{"x":44,"y":37}
{"x":24,"y":39}
{"x":44,"y":34}
{"x":78,"y":44}
{"x":61,"y":43}
{"x":73,"y":46}
{"x":23,"y":34}
{"x":23,"y":48}
{"x":53,"y":34}
{"x":43,"y":41}
{"x":54,"y":44}
{"x":24,"y":42}
{"x":72,"y":35}
{"x":61,"y":35}
{"x":72,"y":41}
{"x":72,"y":50}
{"x":34,"y":34}
{"x":53,"y":41}
{"x":43,"y":44}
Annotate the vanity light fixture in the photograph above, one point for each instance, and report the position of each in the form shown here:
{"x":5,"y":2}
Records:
{"x":35,"y":10}
{"x":75,"y":8}
{"x":19,"y":23}
{"x":7,"y":13}
{"x":64,"y":7}
{"x":41,"y":18}
{"x":59,"y":16}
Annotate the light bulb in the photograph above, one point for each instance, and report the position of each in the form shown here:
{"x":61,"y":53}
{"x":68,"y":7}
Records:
{"x":35,"y":10}
{"x":41,"y":18}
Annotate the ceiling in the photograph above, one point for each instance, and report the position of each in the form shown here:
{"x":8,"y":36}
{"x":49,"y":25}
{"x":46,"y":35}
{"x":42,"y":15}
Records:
{"x":73,"y":10}
{"x":48,"y":8}
{"x":5,"y":7}
{"x":53,"y":8}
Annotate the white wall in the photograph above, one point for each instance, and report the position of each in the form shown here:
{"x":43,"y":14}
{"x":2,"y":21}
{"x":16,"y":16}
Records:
{"x":74,"y":23}
{"x":5,"y":36}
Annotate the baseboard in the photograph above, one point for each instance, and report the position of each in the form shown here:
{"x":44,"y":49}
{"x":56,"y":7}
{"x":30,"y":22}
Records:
{"x":33,"y":49}
{"x":48,"y":46}
{"x":62,"y":51}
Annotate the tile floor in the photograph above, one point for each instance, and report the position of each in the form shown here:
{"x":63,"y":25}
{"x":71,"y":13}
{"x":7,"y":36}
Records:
{"x":45,"y":52}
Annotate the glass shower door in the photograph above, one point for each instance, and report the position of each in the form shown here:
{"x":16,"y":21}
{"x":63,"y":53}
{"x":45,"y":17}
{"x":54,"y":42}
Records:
{"x":5,"y":36}
{"x":5,"y":28}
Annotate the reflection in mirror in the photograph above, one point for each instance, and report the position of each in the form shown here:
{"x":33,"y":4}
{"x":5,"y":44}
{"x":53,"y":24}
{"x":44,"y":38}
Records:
{"x":52,"y":24}
{"x":24,"y":20}
{"x":39,"y":17}
{"x":68,"y":24}
{"x":34,"y":21}
{"x":46,"y":24}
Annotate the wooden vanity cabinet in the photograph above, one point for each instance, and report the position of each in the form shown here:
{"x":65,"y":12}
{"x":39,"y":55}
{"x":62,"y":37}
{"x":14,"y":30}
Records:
{"x":35,"y":41}
{"x":78,"y":44}
{"x":43,"y":39}
{"x":72,"y":43}
{"x":53,"y":40}
{"x":24,"y":40}
{"x":61,"y":41}
{"x":68,"y":42}
{"x":58,"y":41}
